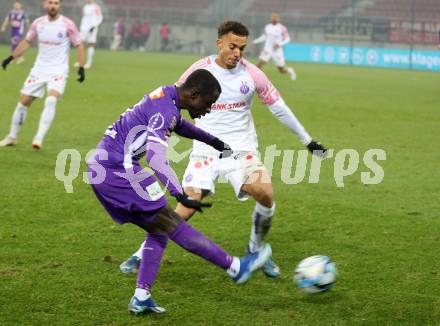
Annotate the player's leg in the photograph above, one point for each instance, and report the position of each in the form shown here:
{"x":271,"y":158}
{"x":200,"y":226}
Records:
{"x":198,"y":182}
{"x":168,"y":224}
{"x":260,"y":188}
{"x":46,"y":118}
{"x":90,"y":55}
{"x":91,"y":41}
{"x":55,"y":88}
{"x":288,"y":70}
{"x":131,"y":265}
{"x":17,"y":121}
{"x":249,"y":177}
{"x":263,"y":58}
{"x":261,"y":63}
{"x":280,"y":62}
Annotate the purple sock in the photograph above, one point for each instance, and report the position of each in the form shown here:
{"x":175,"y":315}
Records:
{"x":151,"y":256}
{"x":195,"y":242}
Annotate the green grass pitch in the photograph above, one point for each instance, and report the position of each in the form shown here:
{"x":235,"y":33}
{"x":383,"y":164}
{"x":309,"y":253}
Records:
{"x":59,"y":252}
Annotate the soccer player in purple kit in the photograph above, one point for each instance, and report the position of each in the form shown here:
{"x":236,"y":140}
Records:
{"x":18,"y":20}
{"x":132,"y":195}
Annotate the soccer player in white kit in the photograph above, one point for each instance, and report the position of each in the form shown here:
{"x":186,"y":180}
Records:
{"x":275,"y":36}
{"x":91,"y":19}
{"x":231,"y":120}
{"x":55,"y":33}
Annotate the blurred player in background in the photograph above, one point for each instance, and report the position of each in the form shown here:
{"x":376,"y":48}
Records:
{"x":275,"y":36}
{"x":132,"y":195}
{"x":118,"y":35}
{"x":55,"y":33}
{"x":18,"y":20}
{"x":231,"y":120}
{"x":91,"y":19}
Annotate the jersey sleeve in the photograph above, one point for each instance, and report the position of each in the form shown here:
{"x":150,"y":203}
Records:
{"x":98,"y":15}
{"x":159,"y":129}
{"x":32,"y":32}
{"x":285,"y":35}
{"x":264,"y":88}
{"x":72,"y":31}
{"x":200,"y":64}
{"x":188,"y":130}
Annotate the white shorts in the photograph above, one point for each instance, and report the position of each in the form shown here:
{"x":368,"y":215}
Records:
{"x":35,"y":84}
{"x":89,"y":37}
{"x":203,"y":171}
{"x":276,"y":55}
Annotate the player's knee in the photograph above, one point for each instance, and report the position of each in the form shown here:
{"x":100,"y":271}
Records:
{"x":26,"y":100}
{"x":265,"y":198}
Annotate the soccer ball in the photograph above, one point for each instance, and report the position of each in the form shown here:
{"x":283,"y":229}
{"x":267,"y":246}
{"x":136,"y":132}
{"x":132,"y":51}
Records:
{"x":315,"y":274}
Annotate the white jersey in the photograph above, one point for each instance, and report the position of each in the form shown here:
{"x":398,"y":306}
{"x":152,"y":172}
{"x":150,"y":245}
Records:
{"x":274,"y":34}
{"x":54,"y":38}
{"x":92,"y":17}
{"x":230,"y":118}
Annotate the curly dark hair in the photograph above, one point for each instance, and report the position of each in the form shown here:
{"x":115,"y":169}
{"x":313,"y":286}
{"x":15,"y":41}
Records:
{"x":236,"y":28}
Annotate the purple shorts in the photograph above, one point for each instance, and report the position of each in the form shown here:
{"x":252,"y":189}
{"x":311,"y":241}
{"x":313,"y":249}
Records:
{"x":16,"y":37}
{"x":127,"y":194}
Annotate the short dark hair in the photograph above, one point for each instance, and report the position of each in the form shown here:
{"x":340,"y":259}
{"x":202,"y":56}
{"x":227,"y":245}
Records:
{"x":202,"y":81}
{"x":236,"y":28}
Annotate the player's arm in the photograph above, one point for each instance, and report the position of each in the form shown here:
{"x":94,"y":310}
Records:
{"x":283,"y":113}
{"x":286,"y":37}
{"x":75,"y":39}
{"x":156,"y":157}
{"x":19,"y":50}
{"x":80,"y":54}
{"x":81,"y":59}
{"x":98,"y":18}
{"x":23,"y":45}
{"x":259,"y":39}
{"x":188,"y":130}
{"x":270,"y":96}
{"x":5,"y":23}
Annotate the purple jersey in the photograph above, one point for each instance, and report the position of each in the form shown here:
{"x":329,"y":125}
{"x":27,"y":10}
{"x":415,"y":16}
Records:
{"x":17,"y":19}
{"x":144,"y":129}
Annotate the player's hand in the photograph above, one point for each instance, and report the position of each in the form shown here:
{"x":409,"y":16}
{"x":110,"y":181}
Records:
{"x":81,"y":74}
{"x":224,"y":149}
{"x":276,"y":46}
{"x":191,"y":203}
{"x":7,"y":61}
{"x":316,"y":148}
{"x":92,"y":29}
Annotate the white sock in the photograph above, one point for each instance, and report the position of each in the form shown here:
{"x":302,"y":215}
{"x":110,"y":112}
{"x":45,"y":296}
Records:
{"x":46,"y":117}
{"x":90,"y":54}
{"x":18,"y":118}
{"x":291,"y":72}
{"x":261,"y":222}
{"x":142,"y":294}
{"x":138,"y":253}
{"x":234,"y":269}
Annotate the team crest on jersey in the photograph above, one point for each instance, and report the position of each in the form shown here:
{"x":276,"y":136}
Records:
{"x":60,"y":35}
{"x":244,"y":88}
{"x":156,"y":122}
